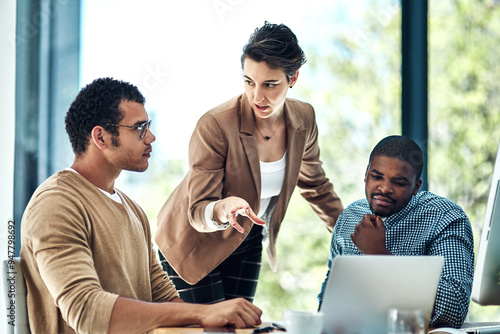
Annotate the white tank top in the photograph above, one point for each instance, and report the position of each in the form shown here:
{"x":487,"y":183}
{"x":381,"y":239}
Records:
{"x":272,"y":176}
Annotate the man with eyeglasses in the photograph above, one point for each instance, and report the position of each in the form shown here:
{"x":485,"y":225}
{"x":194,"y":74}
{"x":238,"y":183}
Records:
{"x":87,"y":254}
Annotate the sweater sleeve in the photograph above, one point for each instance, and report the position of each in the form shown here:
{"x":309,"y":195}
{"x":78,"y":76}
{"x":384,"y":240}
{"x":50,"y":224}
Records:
{"x":163,"y":289}
{"x":60,"y":242}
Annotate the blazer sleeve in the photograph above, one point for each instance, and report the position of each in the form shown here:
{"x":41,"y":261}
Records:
{"x":314,"y":186}
{"x":207,"y":157}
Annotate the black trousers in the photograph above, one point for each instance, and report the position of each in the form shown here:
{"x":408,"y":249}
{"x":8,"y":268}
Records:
{"x":235,"y":277}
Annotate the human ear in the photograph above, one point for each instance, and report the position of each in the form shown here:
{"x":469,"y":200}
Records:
{"x":366,"y":173}
{"x":99,"y":137}
{"x":418,"y":184}
{"x":293,"y":79}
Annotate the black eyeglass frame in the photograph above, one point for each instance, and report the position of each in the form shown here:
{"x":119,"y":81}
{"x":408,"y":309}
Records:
{"x":143,"y":128}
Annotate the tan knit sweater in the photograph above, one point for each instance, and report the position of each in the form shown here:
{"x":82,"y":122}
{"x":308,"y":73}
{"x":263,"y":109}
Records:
{"x":80,"y":250}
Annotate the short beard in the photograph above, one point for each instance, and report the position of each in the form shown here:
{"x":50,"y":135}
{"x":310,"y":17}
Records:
{"x":115,"y":141}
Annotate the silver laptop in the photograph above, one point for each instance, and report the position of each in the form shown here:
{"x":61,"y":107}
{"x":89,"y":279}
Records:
{"x":361,"y":289}
{"x":481,"y":328}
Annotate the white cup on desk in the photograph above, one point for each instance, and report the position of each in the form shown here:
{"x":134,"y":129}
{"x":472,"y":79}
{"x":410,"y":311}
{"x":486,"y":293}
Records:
{"x":401,"y":321}
{"x":303,"y":322}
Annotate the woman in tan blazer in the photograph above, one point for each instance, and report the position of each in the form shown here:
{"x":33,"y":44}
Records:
{"x":245,"y":158}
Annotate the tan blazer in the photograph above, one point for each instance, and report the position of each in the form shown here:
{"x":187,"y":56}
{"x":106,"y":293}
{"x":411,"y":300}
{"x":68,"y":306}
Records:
{"x":224,"y":161}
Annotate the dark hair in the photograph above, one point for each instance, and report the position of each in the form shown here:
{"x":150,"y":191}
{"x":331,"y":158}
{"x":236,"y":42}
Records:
{"x":277,"y":46}
{"x":402,"y":148}
{"x":97,"y":104}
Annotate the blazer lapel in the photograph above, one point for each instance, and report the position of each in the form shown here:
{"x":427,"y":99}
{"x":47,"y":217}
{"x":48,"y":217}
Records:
{"x":296,"y":137}
{"x":247,"y":136}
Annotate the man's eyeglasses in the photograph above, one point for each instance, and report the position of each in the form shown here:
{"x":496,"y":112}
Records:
{"x":143,"y":128}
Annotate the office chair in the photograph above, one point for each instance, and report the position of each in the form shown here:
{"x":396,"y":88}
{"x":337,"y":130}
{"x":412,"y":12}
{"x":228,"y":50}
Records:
{"x":14,"y":289}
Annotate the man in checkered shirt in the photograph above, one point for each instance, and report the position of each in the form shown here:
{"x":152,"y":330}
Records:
{"x":397,"y":219}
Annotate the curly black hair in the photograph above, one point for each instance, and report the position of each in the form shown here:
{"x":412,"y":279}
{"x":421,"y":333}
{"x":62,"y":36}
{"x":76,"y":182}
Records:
{"x":402,"y":148}
{"x":277,"y":46}
{"x":97,"y":104}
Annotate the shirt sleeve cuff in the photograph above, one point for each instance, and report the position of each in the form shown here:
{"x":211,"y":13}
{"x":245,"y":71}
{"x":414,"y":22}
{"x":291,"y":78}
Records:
{"x":209,"y":218}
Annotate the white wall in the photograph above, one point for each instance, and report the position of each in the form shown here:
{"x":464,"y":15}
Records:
{"x":7,"y":112}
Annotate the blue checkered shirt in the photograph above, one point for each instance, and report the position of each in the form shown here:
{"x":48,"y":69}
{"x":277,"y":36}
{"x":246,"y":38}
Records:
{"x":428,"y":225}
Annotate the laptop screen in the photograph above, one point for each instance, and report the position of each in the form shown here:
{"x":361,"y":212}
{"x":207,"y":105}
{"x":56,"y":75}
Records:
{"x":361,"y":289}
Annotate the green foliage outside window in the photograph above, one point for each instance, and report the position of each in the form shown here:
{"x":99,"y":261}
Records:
{"x":360,"y":104}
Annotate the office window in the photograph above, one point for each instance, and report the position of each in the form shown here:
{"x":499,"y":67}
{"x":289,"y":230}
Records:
{"x":46,"y":42}
{"x":185,"y":58}
{"x":464,"y":115}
